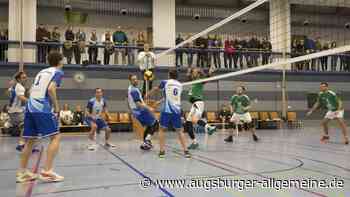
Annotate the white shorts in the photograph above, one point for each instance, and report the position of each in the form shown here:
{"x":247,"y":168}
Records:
{"x":334,"y":114}
{"x":245,"y":118}
{"x":196,"y":111}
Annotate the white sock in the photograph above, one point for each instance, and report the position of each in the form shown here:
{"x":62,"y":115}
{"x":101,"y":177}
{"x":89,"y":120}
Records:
{"x":194,"y":141}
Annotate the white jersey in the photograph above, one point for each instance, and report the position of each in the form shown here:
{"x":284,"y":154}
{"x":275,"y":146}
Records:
{"x":39,"y":101}
{"x":172,"y":90}
{"x":16,"y":105}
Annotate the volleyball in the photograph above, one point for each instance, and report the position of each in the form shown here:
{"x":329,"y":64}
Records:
{"x":148,"y":75}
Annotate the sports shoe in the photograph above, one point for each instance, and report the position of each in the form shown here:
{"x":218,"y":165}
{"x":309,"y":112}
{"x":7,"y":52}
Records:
{"x":193,"y":146}
{"x":25,"y":176}
{"x":50,"y":176}
{"x":20,"y":147}
{"x":255,"y":138}
{"x":324,"y":139}
{"x":211,"y":130}
{"x":109,"y":145}
{"x":187,"y":154}
{"x":346,"y":141}
{"x":161,"y":154}
{"x":229,"y":139}
{"x":92,"y":147}
{"x":147,"y":145}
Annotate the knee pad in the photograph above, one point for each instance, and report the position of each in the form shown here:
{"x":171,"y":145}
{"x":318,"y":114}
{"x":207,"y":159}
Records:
{"x":201,"y":123}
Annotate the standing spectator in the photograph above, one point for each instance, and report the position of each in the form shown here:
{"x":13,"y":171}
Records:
{"x":79,"y":47}
{"x":68,"y":44}
{"x":141,"y":40}
{"x":78,"y":116}
{"x":146,"y":62}
{"x":299,"y":52}
{"x":66,"y":115}
{"x":216,"y":54}
{"x":244,"y":51}
{"x":211,"y":43}
{"x":324,"y":60}
{"x":2,"y":46}
{"x":42,"y":35}
{"x":267,"y":49}
{"x":189,"y":52}
{"x":318,"y":49}
{"x":228,"y":52}
{"x":202,"y":45}
{"x":93,"y":50}
{"x":55,"y":39}
{"x":109,"y":48}
{"x":179,"y":51}
{"x":237,"y":55}
{"x":334,"y":58}
{"x":120,"y":39}
{"x":131,"y":50}
{"x":253,"y":46}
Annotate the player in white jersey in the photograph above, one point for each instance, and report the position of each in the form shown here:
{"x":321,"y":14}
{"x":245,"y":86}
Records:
{"x":142,"y":112}
{"x":94,"y":110}
{"x":170,"y":115}
{"x":41,"y":121}
{"x":16,"y":107}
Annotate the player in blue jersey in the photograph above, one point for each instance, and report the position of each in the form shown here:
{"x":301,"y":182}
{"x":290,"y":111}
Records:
{"x":40,"y":120}
{"x":142,"y":112}
{"x":170,"y":115}
{"x":94,"y":110}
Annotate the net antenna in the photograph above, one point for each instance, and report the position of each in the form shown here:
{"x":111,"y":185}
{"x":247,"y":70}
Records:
{"x":215,"y":26}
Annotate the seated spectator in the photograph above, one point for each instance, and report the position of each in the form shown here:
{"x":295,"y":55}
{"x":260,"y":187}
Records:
{"x":4,"y":117}
{"x":78,"y":116}
{"x":225,"y":114}
{"x":66,"y":115}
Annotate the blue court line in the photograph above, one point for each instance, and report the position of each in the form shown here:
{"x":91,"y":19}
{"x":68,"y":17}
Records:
{"x":166,"y":192}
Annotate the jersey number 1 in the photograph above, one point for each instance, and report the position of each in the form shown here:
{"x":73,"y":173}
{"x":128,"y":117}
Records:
{"x":37,"y":81}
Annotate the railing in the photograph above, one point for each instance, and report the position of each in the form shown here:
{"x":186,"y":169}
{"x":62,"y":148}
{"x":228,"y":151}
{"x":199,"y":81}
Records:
{"x":110,"y":54}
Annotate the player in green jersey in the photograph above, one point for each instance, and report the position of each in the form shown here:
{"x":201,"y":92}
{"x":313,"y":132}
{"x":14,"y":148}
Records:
{"x":329,"y":100}
{"x":240,"y":105}
{"x":196,"y":98}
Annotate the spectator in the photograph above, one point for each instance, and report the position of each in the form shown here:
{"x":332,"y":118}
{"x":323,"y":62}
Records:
{"x":202,"y":57}
{"x":179,"y":52}
{"x":237,"y":57}
{"x":299,"y":52}
{"x":140,"y":40}
{"x":131,"y":50}
{"x":120,"y":39}
{"x":66,"y":115}
{"x":267,"y":49}
{"x":216,"y":54}
{"x":211,"y":43}
{"x":68,"y":44}
{"x":318,"y":49}
{"x":334,"y":58}
{"x":146,"y":62}
{"x":93,"y":50}
{"x":324,"y":60}
{"x":225,"y":114}
{"x":228,"y":52}
{"x":253,"y":46}
{"x":4,"y":117}
{"x":78,"y":116}
{"x":109,"y":48}
{"x":244,"y":51}
{"x":2,"y":46}
{"x":189,"y":52}
{"x":55,"y":39}
{"x":42,"y":35}
{"x":79,"y":47}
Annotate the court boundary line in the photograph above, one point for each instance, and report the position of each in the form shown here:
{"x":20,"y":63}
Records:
{"x":166,"y":192}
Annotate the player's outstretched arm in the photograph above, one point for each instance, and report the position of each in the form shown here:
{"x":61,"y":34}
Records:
{"x":152,"y":92}
{"x":316,"y":105}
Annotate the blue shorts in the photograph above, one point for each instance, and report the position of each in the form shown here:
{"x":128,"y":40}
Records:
{"x":101,"y":124}
{"x":145,"y":117}
{"x":40,"y":125}
{"x":168,"y":120}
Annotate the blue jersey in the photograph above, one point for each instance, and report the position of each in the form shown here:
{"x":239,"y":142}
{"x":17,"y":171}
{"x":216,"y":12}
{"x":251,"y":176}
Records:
{"x":39,"y":101}
{"x":134,"y":96}
{"x":172,"y":90}
{"x":96,"y":107}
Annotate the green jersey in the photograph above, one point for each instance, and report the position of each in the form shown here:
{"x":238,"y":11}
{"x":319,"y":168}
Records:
{"x":328,"y":100}
{"x":239,"y":102}
{"x":196,"y":92}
